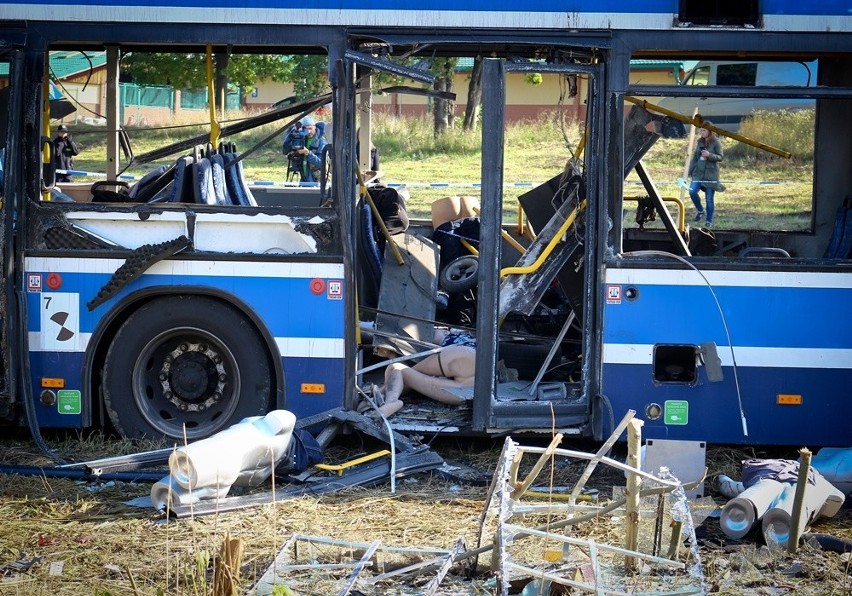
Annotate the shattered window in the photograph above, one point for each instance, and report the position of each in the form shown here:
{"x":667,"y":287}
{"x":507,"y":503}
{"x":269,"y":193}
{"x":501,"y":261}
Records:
{"x":755,"y":186}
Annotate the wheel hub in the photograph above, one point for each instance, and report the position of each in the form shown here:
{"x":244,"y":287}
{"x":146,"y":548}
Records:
{"x":193,"y":377}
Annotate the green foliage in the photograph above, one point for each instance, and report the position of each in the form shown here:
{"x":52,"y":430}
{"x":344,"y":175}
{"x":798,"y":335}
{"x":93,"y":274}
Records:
{"x":244,"y":71}
{"x":189,"y":71}
{"x":198,"y":577}
{"x":533,"y":78}
{"x":790,"y":130}
{"x":182,"y":71}
{"x":308,"y":75}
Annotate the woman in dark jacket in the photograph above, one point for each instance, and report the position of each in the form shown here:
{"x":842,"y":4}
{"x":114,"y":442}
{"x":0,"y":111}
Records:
{"x":704,"y":171}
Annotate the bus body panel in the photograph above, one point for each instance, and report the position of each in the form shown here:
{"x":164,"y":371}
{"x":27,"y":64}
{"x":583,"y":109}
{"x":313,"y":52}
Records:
{"x":789,"y":369}
{"x":299,"y":306}
{"x":782,"y":332}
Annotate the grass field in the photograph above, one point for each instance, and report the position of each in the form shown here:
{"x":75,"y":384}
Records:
{"x":763,"y":191}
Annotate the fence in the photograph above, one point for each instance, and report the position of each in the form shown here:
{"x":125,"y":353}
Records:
{"x":148,"y":105}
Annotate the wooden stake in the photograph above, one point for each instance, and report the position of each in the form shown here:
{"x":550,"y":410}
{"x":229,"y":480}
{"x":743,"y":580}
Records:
{"x":676,"y":539}
{"x":634,"y":483}
{"x":799,"y":499}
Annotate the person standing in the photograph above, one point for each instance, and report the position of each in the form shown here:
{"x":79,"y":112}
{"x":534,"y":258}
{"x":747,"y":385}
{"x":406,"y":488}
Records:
{"x":303,"y":145}
{"x":64,"y":150}
{"x":704,"y":171}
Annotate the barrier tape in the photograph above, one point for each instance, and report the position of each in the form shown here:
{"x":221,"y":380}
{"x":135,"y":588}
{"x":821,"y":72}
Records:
{"x":680,"y":182}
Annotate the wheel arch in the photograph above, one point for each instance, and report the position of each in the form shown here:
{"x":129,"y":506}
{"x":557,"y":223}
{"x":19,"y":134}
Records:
{"x":109,"y":324}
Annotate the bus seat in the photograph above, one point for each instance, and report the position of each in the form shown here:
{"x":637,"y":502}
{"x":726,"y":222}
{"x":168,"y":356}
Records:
{"x":203,"y":189}
{"x":234,"y":177}
{"x":180,"y":189}
{"x":370,"y":251}
{"x":145,"y":182}
{"x":217,"y":163}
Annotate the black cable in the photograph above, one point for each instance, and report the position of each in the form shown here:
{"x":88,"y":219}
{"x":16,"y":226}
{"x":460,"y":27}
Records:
{"x":29,"y":403}
{"x":724,"y":320}
{"x":73,"y":474}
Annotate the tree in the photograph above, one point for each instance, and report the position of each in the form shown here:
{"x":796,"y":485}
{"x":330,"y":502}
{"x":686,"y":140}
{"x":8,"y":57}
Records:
{"x":189,"y":71}
{"x":474,"y":96}
{"x":443,"y":110}
{"x":309,"y":75}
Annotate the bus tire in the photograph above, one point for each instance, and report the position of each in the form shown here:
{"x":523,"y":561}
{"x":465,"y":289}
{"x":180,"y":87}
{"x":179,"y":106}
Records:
{"x":188,"y":362}
{"x":460,"y":274}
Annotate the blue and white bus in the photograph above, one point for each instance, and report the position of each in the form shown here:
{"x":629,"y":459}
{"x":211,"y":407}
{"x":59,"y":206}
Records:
{"x":178,"y":314}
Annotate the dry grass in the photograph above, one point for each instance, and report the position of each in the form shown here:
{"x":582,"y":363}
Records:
{"x":108,"y":547}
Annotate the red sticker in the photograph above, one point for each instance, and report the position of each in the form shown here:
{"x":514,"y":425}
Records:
{"x":34,"y":282}
{"x":613,"y":294}
{"x":335,"y":289}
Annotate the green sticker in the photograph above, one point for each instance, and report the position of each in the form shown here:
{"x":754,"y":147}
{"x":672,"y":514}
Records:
{"x":677,"y":412}
{"x":69,"y":401}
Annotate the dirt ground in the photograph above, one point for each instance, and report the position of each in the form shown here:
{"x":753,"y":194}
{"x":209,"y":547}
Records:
{"x":65,"y":536}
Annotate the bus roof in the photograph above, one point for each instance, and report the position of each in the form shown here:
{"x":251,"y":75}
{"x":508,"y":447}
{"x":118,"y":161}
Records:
{"x":659,"y":15}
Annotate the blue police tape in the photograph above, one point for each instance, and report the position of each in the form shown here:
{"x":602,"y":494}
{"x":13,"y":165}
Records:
{"x":680,"y":182}
{"x":96,"y":174}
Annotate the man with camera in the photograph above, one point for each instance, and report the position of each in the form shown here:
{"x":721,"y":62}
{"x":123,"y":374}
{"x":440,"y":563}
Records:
{"x":303,"y":145}
{"x":64,"y":150}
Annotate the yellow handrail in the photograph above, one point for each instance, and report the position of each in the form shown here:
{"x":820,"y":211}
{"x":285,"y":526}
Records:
{"x":46,"y":151}
{"x":681,"y":210}
{"x":366,"y":194}
{"x":211,"y":94}
{"x":698,"y":121}
{"x":468,"y":246}
{"x":338,"y":468}
{"x":569,"y":221}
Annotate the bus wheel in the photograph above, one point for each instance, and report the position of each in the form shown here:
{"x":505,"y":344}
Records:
{"x":186,"y":362}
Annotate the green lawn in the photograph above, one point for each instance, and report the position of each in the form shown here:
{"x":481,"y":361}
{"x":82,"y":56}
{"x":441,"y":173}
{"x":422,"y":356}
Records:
{"x":763,"y":191}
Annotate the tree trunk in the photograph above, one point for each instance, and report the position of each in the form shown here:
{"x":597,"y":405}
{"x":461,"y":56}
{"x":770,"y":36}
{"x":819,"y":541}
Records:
{"x":439,"y":108}
{"x":474,"y":96}
{"x":220,"y":78}
{"x":444,"y":109}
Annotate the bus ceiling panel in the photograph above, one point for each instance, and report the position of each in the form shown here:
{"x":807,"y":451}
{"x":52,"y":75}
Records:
{"x":535,"y":66}
{"x":252,"y":38}
{"x":414,"y":74}
{"x":13,"y":35}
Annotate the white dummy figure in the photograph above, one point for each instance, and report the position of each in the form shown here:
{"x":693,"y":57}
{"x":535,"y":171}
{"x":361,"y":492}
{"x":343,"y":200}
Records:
{"x":452,"y":368}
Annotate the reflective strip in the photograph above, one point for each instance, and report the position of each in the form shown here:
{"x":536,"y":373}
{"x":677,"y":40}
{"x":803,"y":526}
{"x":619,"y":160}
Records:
{"x":290,"y":347}
{"x":202,"y":268}
{"x":759,"y":357}
{"x":305,"y":347}
{"x":746,"y":279}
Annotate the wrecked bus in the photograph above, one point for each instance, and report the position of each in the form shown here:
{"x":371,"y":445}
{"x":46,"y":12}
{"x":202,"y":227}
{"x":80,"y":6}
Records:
{"x":197,"y":299}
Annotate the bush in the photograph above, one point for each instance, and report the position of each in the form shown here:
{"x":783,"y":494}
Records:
{"x":790,"y":130}
{"x":406,"y":136}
